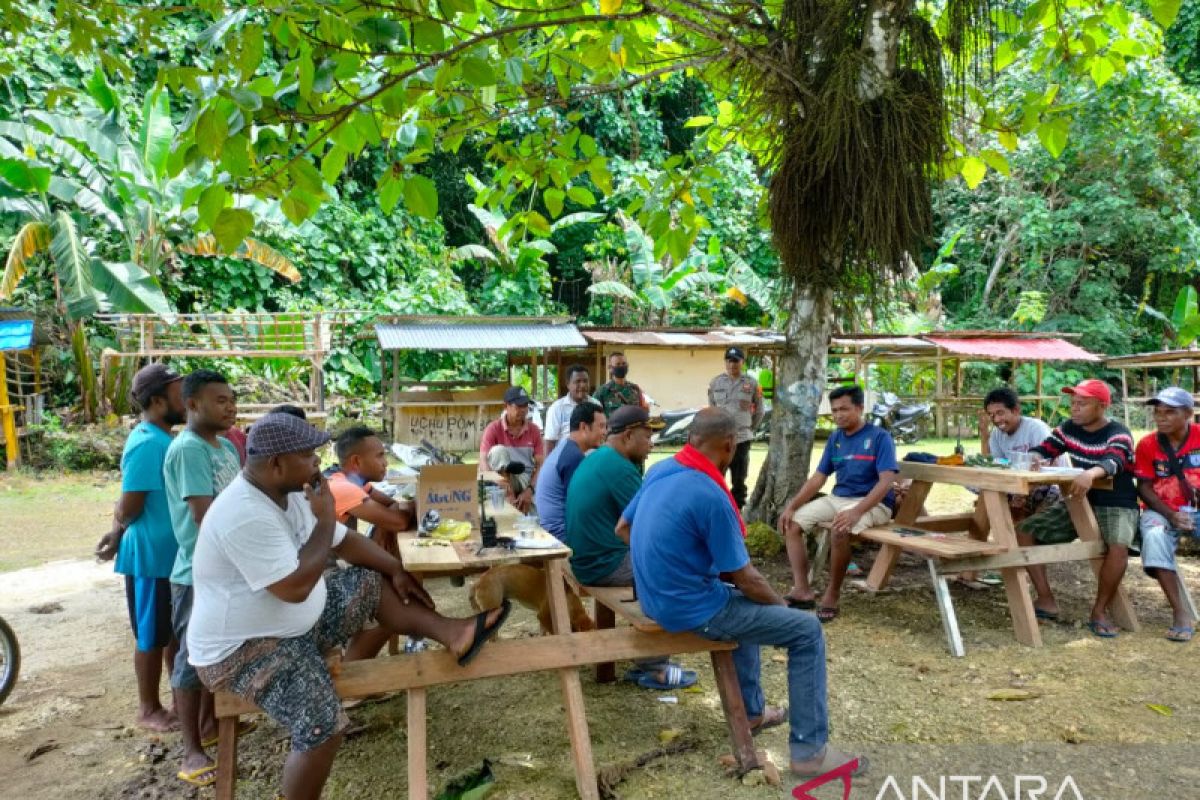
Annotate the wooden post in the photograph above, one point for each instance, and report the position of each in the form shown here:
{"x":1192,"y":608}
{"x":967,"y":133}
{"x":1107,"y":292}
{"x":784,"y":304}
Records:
{"x":1040,"y":390}
{"x":227,"y":741}
{"x":939,"y":411}
{"x":12,"y":450}
{"x":1016,"y":580}
{"x":418,"y":781}
{"x":1125,"y":396}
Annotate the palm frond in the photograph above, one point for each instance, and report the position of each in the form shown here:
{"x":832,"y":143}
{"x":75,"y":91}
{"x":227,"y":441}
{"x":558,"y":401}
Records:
{"x":250,"y":250}
{"x":33,"y":238}
{"x":73,"y":263}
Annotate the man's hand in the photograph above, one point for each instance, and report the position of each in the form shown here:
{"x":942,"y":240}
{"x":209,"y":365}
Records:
{"x":320,"y":501}
{"x":106,"y":548}
{"x":524,"y":501}
{"x":1182,"y":521}
{"x":1082,"y":484}
{"x":786,"y":524}
{"x":410,"y":589}
{"x":1035,"y":463}
{"x":845,"y":521}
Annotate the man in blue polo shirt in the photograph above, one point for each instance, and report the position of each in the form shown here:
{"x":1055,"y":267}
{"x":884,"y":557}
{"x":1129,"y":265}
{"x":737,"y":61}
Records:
{"x":142,"y":539}
{"x":863,"y":457}
{"x":686,"y":540}
{"x":588,"y":430}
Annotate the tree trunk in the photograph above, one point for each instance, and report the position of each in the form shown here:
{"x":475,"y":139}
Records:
{"x":799,"y":384}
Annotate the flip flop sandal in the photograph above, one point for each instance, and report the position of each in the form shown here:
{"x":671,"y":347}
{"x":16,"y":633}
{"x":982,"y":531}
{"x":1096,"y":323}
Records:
{"x":834,"y":761}
{"x":675,"y":677}
{"x":853,"y":570}
{"x":773,"y":716}
{"x":1046,"y":616}
{"x":1102,"y":629}
{"x":1177,"y":633}
{"x":244,"y":727}
{"x":803,"y":605}
{"x":991,"y":579}
{"x":827,"y":614}
{"x":483,"y":632}
{"x":205,"y":776}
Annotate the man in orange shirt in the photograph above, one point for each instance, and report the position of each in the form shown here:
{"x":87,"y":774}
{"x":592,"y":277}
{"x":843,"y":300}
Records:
{"x":362,"y":459}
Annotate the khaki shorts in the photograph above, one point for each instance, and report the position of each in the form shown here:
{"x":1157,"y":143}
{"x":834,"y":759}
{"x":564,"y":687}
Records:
{"x":1053,"y":526}
{"x":824,"y":509}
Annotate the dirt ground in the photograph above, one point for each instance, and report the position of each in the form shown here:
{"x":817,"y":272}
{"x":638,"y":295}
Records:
{"x":1118,"y":718}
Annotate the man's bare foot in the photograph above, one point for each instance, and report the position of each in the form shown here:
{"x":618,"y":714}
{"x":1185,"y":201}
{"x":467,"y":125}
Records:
{"x":158,"y":721}
{"x":462,"y":643}
{"x":196,"y":762}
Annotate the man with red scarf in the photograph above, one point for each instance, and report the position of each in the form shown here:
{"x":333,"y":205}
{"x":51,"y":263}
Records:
{"x":686,"y":539}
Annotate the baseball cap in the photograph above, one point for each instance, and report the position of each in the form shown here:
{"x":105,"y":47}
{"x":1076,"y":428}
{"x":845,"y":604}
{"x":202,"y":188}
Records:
{"x":735,"y":352}
{"x":1095,"y":389}
{"x":277,"y":434}
{"x":516,"y":395}
{"x":629,"y":417}
{"x":149,"y":381}
{"x":1174,"y":397}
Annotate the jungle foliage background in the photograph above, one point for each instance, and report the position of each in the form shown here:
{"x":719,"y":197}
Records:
{"x":1089,"y":224}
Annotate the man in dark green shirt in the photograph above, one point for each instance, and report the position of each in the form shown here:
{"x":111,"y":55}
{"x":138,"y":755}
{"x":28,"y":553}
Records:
{"x":599,"y":491}
{"x":618,"y":391}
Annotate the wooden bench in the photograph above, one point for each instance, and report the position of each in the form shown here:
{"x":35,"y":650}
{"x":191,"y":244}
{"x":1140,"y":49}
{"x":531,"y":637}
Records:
{"x":415,"y":673}
{"x":612,"y":602}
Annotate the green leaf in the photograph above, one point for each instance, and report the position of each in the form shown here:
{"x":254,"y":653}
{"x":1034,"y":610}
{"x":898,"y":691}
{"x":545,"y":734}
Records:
{"x":73,"y":265}
{"x":211,"y":131}
{"x":100,"y":91}
{"x":514,"y":71}
{"x":298,"y":205}
{"x":1185,"y":307}
{"x":306,"y":176}
{"x":212,"y":200}
{"x":231,"y":227}
{"x":1164,"y":11}
{"x":614,"y":289}
{"x":420,"y":196}
{"x":582,"y":196}
{"x":554,"y":200}
{"x":478,"y":72}
{"x":428,"y":36}
{"x":973,"y":170}
{"x":333,"y":163}
{"x":472,"y":251}
{"x":1101,"y":70}
{"x":157,"y":133}
{"x":379,"y":32}
{"x":578,"y":218}
{"x":1008,"y":140}
{"x":996,"y":160}
{"x":129,"y":289}
{"x":390,"y":187}
{"x":699,"y":122}
{"x":23,"y":176}
{"x":1053,"y":135}
{"x":213,"y":35}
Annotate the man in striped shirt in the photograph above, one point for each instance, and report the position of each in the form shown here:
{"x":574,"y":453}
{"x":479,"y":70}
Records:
{"x":1101,"y":448}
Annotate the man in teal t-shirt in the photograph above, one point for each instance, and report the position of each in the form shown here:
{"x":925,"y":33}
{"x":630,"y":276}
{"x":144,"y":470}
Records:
{"x":142,"y":540}
{"x":598,"y":492}
{"x":200,"y":463}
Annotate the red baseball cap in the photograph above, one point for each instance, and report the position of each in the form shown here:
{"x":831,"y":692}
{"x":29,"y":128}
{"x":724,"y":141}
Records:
{"x":1095,"y":389}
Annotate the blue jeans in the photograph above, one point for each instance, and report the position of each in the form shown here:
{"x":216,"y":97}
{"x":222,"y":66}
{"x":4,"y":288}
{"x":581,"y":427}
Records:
{"x":752,"y":624}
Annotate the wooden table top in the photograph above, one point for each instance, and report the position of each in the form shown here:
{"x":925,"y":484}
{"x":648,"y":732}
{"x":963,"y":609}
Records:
{"x":1012,"y":481}
{"x":464,"y":556}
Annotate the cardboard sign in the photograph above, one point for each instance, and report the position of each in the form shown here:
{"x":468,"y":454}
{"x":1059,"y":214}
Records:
{"x":453,"y":489}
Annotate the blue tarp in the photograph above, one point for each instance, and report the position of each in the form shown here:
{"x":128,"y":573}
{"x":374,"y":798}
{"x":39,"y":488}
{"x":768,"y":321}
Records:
{"x":16,"y":334}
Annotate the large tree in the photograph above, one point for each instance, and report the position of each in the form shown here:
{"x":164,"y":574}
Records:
{"x":851,"y":109}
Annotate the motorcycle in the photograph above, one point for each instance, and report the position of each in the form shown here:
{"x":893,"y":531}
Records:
{"x":10,"y":660}
{"x":676,"y":424}
{"x":905,"y":421}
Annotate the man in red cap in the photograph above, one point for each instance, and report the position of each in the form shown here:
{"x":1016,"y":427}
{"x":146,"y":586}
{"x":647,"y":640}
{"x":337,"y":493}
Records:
{"x":1102,"y":448}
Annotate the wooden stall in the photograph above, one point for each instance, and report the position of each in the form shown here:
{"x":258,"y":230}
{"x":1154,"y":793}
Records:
{"x":1183,"y":364}
{"x":949,"y":351}
{"x":452,"y":415}
{"x":306,"y":337}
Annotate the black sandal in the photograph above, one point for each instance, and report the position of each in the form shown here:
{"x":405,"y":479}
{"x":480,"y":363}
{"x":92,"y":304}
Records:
{"x":803,"y":605}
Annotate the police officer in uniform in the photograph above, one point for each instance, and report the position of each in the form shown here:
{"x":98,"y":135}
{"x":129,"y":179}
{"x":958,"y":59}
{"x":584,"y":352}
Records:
{"x":740,"y":395}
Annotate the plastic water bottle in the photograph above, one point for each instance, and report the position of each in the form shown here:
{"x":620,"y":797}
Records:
{"x":1190,"y":510}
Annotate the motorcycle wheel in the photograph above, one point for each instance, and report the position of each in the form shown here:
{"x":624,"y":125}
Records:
{"x":10,"y":660}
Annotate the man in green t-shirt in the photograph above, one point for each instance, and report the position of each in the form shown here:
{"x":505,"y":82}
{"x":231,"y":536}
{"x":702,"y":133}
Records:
{"x":599,"y":491}
{"x":199,"y":464}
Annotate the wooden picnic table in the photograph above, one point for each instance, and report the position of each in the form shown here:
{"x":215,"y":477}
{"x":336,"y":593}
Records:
{"x":992,"y":521}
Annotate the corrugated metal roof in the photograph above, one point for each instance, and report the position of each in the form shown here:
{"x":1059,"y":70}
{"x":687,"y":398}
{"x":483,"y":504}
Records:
{"x":1015,"y":349}
{"x":713,"y":339}
{"x":859,"y":342}
{"x":483,"y":333}
{"x":16,"y":334}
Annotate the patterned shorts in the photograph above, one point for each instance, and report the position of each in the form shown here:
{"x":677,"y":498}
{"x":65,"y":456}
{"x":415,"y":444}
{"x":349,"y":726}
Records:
{"x":287,"y":678}
{"x":1053,"y":526}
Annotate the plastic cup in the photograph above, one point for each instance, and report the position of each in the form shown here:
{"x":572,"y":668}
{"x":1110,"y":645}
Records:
{"x":526,"y":525}
{"x":1022,"y":461}
{"x":495,"y":499}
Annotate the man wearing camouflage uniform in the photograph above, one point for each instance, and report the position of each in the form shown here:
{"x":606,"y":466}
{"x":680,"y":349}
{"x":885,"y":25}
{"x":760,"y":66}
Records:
{"x":740,"y":395}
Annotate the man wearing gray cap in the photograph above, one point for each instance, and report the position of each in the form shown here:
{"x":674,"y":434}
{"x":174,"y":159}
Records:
{"x":1167,"y":467}
{"x":740,"y":395}
{"x":511,"y":440}
{"x":142,"y":539}
{"x":265,"y":614}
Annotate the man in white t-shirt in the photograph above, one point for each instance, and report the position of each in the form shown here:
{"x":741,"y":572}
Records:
{"x":1014,"y":433}
{"x":558,"y":417}
{"x":264,"y":614}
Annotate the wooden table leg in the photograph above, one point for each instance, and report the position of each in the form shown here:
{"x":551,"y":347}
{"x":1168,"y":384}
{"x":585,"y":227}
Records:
{"x":1088,"y":529}
{"x":227,"y":742}
{"x":1016,"y":580}
{"x":418,"y":780}
{"x":910,"y":509}
{"x":572,"y":689}
{"x":735,"y":710}
{"x":605,"y":618}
